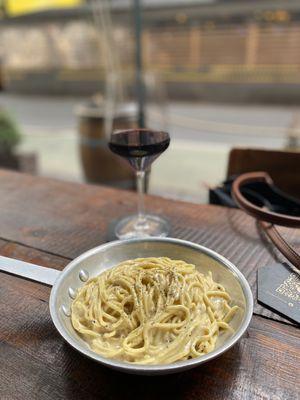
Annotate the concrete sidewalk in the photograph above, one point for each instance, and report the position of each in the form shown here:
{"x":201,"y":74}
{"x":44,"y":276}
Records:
{"x":183,"y":172}
{"x":201,"y":138}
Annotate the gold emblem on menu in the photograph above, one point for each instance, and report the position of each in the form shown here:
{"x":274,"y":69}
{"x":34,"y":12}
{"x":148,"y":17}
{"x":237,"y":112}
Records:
{"x":290,"y":288}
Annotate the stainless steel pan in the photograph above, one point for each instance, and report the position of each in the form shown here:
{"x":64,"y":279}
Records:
{"x":65,"y":284}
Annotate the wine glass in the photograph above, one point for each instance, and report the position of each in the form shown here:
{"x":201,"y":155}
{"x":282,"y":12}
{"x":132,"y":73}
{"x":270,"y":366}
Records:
{"x":140,"y":147}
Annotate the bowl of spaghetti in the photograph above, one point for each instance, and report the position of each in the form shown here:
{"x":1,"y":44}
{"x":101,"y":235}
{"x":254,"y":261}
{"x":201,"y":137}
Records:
{"x":154,"y":305}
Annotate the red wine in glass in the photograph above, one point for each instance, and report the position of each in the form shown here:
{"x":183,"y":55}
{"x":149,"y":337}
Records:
{"x":140,"y":147}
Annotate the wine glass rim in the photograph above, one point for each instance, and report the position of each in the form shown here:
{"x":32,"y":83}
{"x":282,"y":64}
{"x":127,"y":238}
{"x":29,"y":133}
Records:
{"x":116,"y":131}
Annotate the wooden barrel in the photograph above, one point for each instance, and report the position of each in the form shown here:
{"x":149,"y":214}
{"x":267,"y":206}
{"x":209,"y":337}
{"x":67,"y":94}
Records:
{"x":99,"y":164}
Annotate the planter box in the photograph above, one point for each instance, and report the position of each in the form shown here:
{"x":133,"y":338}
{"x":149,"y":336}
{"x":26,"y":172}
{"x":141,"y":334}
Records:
{"x":19,"y":162}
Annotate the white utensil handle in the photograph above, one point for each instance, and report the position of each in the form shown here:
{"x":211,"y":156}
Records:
{"x":28,"y":270}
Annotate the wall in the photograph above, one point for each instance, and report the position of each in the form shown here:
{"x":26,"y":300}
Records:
{"x":74,"y":55}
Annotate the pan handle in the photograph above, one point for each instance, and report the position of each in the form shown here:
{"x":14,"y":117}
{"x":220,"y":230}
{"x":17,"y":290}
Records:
{"x":29,"y":271}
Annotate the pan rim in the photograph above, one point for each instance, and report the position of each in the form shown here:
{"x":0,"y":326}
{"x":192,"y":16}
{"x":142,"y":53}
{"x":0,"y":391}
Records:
{"x":159,"y":368}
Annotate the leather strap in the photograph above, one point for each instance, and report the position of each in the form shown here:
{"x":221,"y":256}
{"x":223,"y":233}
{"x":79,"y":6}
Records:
{"x":257,"y":212}
{"x":265,"y":217}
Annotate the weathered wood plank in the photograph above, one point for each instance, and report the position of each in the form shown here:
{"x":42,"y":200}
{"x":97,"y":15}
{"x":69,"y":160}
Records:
{"x":35,"y":363}
{"x":67,"y":218}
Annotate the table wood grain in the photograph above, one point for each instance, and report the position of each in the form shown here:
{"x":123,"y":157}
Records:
{"x":49,"y":222}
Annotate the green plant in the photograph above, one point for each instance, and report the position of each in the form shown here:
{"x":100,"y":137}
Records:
{"x":9,"y":133}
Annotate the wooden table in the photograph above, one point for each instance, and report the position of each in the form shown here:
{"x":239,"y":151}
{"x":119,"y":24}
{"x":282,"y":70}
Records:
{"x":49,"y":222}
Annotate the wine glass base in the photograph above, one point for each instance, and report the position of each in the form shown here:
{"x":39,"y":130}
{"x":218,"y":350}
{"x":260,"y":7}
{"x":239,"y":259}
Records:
{"x":129,"y":227}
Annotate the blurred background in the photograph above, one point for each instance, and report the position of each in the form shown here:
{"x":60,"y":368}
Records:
{"x":216,"y":74}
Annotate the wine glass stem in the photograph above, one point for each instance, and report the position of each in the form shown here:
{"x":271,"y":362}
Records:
{"x":140,"y":183}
